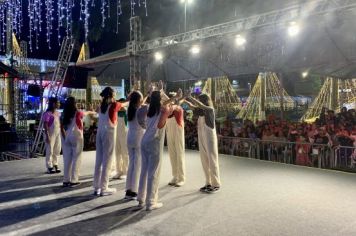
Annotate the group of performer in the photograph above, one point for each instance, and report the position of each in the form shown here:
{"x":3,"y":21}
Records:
{"x":130,"y":140}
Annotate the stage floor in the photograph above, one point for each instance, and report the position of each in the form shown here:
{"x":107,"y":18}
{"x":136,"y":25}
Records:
{"x":257,"y":198}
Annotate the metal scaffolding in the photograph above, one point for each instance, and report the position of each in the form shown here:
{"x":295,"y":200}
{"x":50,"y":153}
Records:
{"x":277,"y":17}
{"x":132,"y":51}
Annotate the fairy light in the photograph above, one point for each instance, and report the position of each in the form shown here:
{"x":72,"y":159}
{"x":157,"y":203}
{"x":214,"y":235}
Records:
{"x":86,"y":19}
{"x":226,"y":99}
{"x":55,"y":17}
{"x":133,"y":3}
{"x":274,"y":93}
{"x":103,"y":17}
{"x":347,"y":92}
{"x":118,"y":14}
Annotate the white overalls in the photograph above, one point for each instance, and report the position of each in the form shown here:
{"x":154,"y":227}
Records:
{"x":134,"y":137}
{"x":105,"y":144}
{"x":152,"y":149}
{"x":72,"y":152}
{"x":176,"y":147}
{"x":208,"y":148}
{"x":53,"y":148}
{"x":121,"y":152}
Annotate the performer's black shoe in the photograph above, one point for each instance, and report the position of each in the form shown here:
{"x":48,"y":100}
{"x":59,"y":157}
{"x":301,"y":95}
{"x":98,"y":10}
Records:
{"x":51,"y":171}
{"x":57,"y":170}
{"x":205,"y":188}
{"x":213,"y":190}
{"x":66,"y":184}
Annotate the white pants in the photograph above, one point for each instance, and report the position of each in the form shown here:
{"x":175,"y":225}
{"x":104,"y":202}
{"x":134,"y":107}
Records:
{"x":134,"y":169}
{"x":105,"y":140}
{"x":150,"y":170}
{"x":208,"y":148}
{"x":176,"y":146}
{"x":72,"y":158}
{"x":53,"y":150}
{"x":121,"y":153}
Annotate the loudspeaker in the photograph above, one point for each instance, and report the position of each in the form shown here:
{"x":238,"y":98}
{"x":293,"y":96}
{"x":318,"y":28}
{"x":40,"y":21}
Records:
{"x":34,"y":90}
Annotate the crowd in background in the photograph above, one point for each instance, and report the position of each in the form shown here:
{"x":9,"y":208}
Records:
{"x":330,"y":129}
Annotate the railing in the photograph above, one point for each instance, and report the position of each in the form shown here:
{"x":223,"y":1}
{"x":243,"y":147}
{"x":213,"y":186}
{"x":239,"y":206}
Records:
{"x":298,"y":153}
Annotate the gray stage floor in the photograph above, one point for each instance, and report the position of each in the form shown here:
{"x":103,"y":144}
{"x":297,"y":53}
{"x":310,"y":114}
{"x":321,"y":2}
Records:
{"x":257,"y":198}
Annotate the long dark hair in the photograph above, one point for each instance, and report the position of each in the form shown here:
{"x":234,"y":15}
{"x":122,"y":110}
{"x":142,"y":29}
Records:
{"x":155,"y":104}
{"x":206,"y":100}
{"x":107,"y":94}
{"x":69,"y":110}
{"x":135,"y":98}
{"x":52,"y":103}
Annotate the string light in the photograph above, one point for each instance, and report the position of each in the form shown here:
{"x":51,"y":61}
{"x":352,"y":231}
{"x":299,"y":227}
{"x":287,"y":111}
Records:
{"x":346,"y":92}
{"x":55,"y":17}
{"x":273,"y":94}
{"x":226,"y":99}
{"x":118,"y":14}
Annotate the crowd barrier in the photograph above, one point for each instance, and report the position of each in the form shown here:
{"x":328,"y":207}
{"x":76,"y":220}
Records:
{"x":306,"y":154}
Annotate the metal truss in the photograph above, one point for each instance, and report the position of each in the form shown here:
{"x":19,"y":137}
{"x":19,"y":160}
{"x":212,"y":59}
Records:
{"x":135,"y":63}
{"x":278,"y":17}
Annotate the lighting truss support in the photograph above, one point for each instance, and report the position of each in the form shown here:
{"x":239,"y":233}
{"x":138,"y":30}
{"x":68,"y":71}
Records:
{"x":279,"y":17}
{"x":132,"y":50}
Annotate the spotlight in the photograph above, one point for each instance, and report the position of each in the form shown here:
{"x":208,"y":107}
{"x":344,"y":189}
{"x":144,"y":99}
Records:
{"x":195,"y":49}
{"x":186,"y":1}
{"x":293,"y":29}
{"x":240,"y":41}
{"x":158,"y":56}
{"x":305,"y":74}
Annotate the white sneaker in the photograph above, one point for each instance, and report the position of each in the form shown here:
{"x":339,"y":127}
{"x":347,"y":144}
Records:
{"x":172,"y":182}
{"x":96,"y":192}
{"x":154,"y":206}
{"x":108,"y":191}
{"x":179,"y":184}
{"x":121,"y":177}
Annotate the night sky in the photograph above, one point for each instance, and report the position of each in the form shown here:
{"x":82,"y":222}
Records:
{"x":165,"y":17}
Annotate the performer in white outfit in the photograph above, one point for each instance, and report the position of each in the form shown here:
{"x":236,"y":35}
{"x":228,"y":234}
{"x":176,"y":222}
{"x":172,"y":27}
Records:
{"x":121,"y":153}
{"x":152,"y":149}
{"x":208,"y":144}
{"x":136,"y":115}
{"x":105,"y":141}
{"x":73,"y":141}
{"x":176,"y":145}
{"x":52,"y":135}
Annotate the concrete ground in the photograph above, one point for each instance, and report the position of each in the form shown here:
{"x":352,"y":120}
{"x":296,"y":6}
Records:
{"x":257,"y":198}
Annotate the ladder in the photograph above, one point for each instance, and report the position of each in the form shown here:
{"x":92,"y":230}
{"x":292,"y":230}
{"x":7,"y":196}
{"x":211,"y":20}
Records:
{"x":54,"y":89}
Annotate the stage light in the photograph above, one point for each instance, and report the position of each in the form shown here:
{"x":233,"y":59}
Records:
{"x":186,"y":1}
{"x":293,"y":29}
{"x":158,"y":56}
{"x":240,"y":41}
{"x":305,"y":74}
{"x":195,"y":49}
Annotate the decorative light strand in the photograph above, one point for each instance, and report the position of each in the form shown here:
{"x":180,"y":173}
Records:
{"x":118,"y":14}
{"x":55,"y":17}
{"x":133,"y":3}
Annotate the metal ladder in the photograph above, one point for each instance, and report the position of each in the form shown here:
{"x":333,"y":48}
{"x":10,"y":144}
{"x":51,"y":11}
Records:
{"x":55,"y":87}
